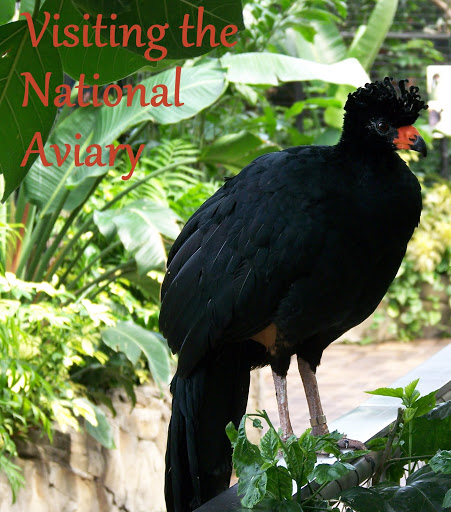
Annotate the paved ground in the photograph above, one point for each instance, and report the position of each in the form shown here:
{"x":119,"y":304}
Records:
{"x":346,"y":371}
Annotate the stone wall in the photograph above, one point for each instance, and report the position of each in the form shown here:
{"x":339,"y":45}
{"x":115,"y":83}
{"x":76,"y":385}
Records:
{"x":76,"y":474}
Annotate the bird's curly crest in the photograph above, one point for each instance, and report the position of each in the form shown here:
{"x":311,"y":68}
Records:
{"x":381,"y":96}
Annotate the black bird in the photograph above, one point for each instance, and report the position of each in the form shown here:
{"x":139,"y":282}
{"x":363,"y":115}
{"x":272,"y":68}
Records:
{"x":285,"y":257}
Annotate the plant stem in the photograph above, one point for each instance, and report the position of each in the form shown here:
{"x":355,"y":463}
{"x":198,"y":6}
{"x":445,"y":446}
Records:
{"x":51,"y":250}
{"x":414,"y":457}
{"x":388,"y":446}
{"x":410,"y":446}
{"x":110,"y":248}
{"x":127,"y":265}
{"x":59,"y":260}
{"x":37,"y":6}
{"x":90,"y":221}
{"x":320,"y":488}
{"x":47,"y":227}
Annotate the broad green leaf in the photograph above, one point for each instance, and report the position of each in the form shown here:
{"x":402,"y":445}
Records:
{"x":245,"y":453}
{"x":7,"y":9}
{"x":364,"y":48}
{"x":275,"y":505}
{"x":361,"y":499}
{"x":200,"y":86}
{"x":395,"y":392}
{"x":447,"y":500}
{"x":45,"y":186}
{"x":252,"y":484}
{"x":441,"y":462}
{"x":272,"y":69}
{"x":111,"y":63}
{"x":368,"y":40}
{"x":269,"y":445}
{"x":139,"y":226}
{"x":431,"y":432}
{"x":324,"y":473}
{"x":232,"y":433}
{"x":20,"y":124}
{"x":425,"y":403}
{"x":101,"y":432}
{"x":27,"y":6}
{"x":409,"y":413}
{"x":132,"y":340}
{"x":410,"y":388}
{"x":236,"y":150}
{"x":147,"y":285}
{"x":328,"y":43}
{"x":424,"y":490}
{"x":132,"y":12}
{"x":280,"y":483}
{"x":300,"y":462}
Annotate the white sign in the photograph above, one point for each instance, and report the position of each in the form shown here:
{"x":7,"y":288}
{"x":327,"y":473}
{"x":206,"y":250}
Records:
{"x":439,"y":89}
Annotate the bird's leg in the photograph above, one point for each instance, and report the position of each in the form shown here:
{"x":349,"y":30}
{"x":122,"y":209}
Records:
{"x":280,"y":384}
{"x":317,"y":418}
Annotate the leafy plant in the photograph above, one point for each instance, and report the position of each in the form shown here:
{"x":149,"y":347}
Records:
{"x":263,"y":480}
{"x":420,"y":434}
{"x":420,"y":296}
{"x":40,"y":344}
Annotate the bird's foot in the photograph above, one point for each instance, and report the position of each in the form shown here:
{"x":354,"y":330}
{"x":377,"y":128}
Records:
{"x":350,"y":444}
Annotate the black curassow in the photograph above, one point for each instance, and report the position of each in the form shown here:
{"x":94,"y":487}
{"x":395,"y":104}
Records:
{"x":285,"y":257}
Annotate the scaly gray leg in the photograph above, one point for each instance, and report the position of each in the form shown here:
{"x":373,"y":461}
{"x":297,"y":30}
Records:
{"x":280,"y":384}
{"x":317,"y":418}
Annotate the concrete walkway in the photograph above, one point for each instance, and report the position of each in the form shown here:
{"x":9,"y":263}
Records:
{"x":346,"y":371}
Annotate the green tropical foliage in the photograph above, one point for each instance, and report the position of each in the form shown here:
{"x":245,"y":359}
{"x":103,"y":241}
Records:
{"x":419,"y":435}
{"x":83,"y":251}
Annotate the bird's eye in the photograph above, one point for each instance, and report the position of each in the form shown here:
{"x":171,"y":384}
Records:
{"x":382,"y":127}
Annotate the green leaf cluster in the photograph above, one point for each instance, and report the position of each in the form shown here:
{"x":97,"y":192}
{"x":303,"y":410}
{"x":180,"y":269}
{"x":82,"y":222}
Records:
{"x":267,"y":473}
{"x":262,"y":477}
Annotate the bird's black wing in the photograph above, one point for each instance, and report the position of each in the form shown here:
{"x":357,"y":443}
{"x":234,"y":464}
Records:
{"x":239,"y":253}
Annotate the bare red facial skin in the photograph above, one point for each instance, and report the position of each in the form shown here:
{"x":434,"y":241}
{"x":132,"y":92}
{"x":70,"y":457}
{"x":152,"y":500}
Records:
{"x":407,"y":135}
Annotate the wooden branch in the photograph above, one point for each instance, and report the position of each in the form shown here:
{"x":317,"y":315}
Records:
{"x":445,"y":6}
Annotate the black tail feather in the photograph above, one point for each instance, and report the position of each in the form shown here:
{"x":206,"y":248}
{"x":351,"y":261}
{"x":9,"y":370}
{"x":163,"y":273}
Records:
{"x":198,"y":456}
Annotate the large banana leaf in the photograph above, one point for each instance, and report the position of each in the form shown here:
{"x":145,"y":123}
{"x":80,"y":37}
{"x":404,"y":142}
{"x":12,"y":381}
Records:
{"x":139,"y":226}
{"x":235,"y":150}
{"x":200,"y":86}
{"x":111,"y":63}
{"x":7,"y":8}
{"x":20,"y":123}
{"x":328,"y":43}
{"x":273,"y":68}
{"x":145,"y":14}
{"x":369,"y":38}
{"x":45,"y":186}
{"x":133,"y":340}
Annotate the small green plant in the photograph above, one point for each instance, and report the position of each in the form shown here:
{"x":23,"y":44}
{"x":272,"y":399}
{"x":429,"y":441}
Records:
{"x":417,"y":447}
{"x":420,"y":296}
{"x":57,"y":358}
{"x":263,"y":480}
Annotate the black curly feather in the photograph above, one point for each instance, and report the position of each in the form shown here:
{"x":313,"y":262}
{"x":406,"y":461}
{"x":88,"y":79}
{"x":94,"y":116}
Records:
{"x":381,"y":96}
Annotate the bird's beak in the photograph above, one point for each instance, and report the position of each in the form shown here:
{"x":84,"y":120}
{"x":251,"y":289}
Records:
{"x":410,"y":138}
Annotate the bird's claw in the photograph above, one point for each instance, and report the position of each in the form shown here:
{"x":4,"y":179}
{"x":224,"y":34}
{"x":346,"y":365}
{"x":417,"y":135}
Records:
{"x":345,"y":443}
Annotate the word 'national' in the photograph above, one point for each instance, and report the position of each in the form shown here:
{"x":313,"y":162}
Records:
{"x":161,"y":93}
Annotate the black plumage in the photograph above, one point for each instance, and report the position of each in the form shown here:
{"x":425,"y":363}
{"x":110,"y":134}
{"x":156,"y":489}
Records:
{"x":307,"y":239}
